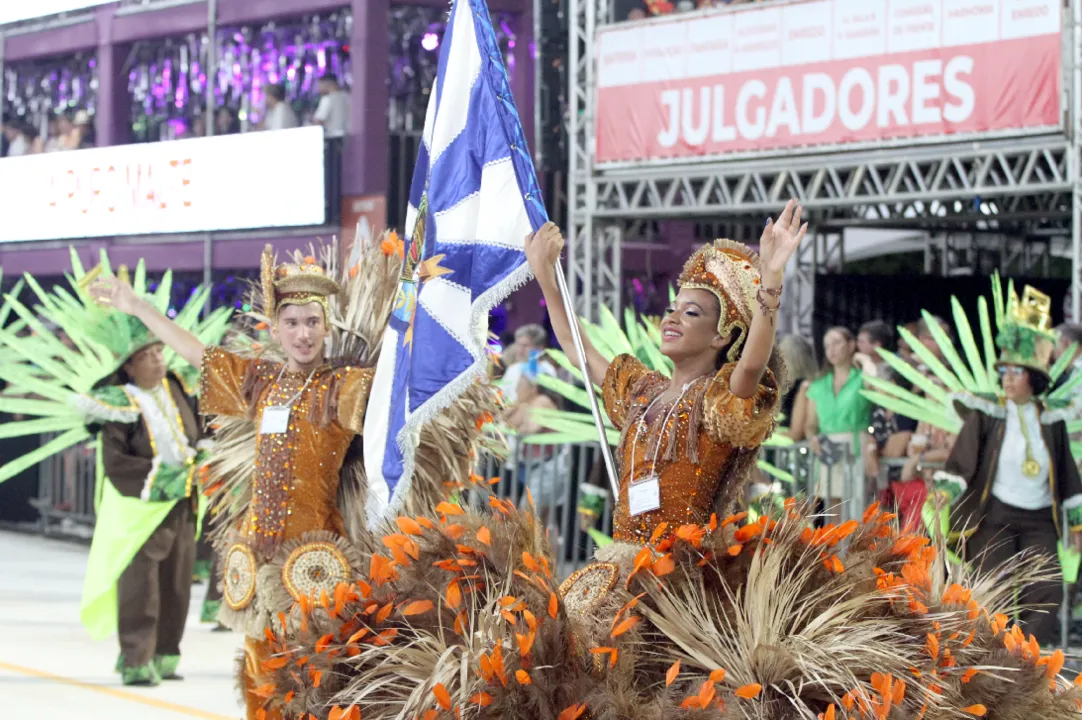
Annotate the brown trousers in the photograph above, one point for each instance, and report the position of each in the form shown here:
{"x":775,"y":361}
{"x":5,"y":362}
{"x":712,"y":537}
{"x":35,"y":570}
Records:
{"x":154,"y":591}
{"x":1004,"y":532}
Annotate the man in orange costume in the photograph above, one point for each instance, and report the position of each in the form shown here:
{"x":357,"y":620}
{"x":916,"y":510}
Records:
{"x":306,"y":412}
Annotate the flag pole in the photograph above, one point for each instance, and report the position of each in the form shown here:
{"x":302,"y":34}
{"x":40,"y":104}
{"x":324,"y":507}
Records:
{"x":580,"y":350}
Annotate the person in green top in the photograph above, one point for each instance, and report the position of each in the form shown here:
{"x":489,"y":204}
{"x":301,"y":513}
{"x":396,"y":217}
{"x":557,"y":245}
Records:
{"x":838,"y":412}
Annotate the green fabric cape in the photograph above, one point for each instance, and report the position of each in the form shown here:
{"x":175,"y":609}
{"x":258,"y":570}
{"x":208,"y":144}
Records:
{"x":123,"y":525}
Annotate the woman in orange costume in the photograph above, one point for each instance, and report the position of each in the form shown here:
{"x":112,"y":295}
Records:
{"x":689,"y":441}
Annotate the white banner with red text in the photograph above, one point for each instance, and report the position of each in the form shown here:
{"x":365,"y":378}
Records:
{"x":232,"y":182}
{"x":826,"y":73}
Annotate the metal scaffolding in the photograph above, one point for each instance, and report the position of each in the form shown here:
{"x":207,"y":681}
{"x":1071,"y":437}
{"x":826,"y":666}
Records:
{"x":1020,"y":190}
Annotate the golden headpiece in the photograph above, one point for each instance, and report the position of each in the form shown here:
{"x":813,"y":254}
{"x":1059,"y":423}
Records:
{"x":729,"y":270}
{"x":300,"y":282}
{"x":1025,"y":334}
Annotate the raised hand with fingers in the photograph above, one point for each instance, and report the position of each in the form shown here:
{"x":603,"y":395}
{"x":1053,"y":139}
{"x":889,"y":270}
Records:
{"x":112,"y":292}
{"x":779,"y":241}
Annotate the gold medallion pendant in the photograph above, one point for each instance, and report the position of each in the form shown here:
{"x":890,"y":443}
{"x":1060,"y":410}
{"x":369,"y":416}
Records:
{"x":1031,"y":468}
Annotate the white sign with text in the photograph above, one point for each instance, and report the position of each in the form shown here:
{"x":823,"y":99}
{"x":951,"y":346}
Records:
{"x":232,"y":182}
{"x":11,"y":11}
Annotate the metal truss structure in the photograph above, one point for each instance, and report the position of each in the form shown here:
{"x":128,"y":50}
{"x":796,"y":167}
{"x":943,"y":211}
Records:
{"x":1020,"y":190}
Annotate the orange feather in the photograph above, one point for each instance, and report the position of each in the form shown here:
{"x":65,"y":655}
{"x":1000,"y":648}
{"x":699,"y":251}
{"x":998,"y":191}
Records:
{"x":442,"y":696}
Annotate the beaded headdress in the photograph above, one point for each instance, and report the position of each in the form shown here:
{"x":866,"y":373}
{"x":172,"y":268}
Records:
{"x":729,"y":270}
{"x":300,"y":282}
{"x":1025,"y":335}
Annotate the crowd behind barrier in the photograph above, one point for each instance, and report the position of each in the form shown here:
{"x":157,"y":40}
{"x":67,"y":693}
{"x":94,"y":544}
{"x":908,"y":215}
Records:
{"x":553,"y":474}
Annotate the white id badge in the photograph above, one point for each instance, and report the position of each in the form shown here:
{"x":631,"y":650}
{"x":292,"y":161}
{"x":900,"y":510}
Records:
{"x":275,"y":420}
{"x":644,"y":496}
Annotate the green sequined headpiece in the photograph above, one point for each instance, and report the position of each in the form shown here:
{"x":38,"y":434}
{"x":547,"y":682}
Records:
{"x":1025,"y":334}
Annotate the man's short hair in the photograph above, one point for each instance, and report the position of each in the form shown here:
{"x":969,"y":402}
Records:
{"x":534,"y":333}
{"x":1071,"y":333}
{"x":923,"y":329}
{"x":277,"y":91}
{"x":330,"y":78}
{"x":878,"y":332}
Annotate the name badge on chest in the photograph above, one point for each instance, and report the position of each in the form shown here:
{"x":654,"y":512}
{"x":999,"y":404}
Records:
{"x":275,"y":420}
{"x":644,"y":496}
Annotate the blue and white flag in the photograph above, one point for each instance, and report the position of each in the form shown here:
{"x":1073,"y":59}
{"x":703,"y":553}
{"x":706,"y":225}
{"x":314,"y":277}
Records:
{"x":473,"y":201}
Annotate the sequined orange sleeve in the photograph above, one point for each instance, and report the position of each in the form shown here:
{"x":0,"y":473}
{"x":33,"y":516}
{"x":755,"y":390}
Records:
{"x":623,"y":379}
{"x":353,"y":398}
{"x":741,"y":422}
{"x":220,"y":382}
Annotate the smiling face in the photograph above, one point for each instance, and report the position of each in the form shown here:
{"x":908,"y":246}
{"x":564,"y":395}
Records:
{"x":839,"y":348}
{"x":690,"y":325}
{"x":301,"y":330}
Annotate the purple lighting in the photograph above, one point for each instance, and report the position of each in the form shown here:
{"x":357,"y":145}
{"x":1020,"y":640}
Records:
{"x":430,"y":41}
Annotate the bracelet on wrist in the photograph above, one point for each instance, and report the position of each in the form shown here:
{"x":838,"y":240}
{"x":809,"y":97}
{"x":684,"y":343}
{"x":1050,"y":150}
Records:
{"x":760,"y":297}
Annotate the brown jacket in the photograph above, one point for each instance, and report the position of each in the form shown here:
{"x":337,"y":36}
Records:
{"x":975,"y":458}
{"x":127,"y":453}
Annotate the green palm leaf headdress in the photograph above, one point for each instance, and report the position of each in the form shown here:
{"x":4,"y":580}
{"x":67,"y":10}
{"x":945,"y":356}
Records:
{"x":1021,"y":336}
{"x":54,"y":383}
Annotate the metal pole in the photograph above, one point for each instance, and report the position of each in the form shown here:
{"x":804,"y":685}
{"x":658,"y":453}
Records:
{"x":208,"y":122}
{"x":580,"y":350}
{"x":1073,"y":168}
{"x":1,"y":77}
{"x":208,"y":262}
{"x":538,"y":137}
{"x":212,"y":65}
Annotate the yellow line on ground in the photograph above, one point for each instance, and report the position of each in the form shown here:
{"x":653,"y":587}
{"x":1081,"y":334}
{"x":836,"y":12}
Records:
{"x":116,"y":693}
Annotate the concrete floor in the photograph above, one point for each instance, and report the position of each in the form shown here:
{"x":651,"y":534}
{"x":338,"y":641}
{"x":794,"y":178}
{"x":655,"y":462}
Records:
{"x":49,"y":666}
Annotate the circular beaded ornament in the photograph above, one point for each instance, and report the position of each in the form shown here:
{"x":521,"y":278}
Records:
{"x":314,"y":567}
{"x":587,"y":588}
{"x":239,"y":577}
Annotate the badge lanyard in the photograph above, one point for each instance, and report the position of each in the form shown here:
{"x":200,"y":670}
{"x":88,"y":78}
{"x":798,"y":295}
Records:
{"x":645,"y":495}
{"x":276,"y":417}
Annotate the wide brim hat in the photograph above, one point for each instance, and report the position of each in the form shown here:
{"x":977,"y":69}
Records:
{"x":730,"y":271}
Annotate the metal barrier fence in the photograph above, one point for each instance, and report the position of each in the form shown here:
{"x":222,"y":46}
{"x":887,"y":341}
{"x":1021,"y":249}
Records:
{"x":66,"y":483}
{"x":553,"y":474}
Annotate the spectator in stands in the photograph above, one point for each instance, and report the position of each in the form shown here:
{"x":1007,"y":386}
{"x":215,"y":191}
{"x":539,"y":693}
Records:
{"x":890,"y":432}
{"x":637,"y":13}
{"x":838,"y":417}
{"x":19,"y":138}
{"x":64,"y":128}
{"x":530,"y":341}
{"x":226,"y":122}
{"x":874,"y":336}
{"x":800,"y":361}
{"x":1070,"y":334}
{"x":333,"y":110}
{"x":540,"y":468}
{"x":280,"y":115}
{"x":927,"y":339}
{"x":928,"y":446}
{"x":82,"y":132}
{"x":52,"y":141}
